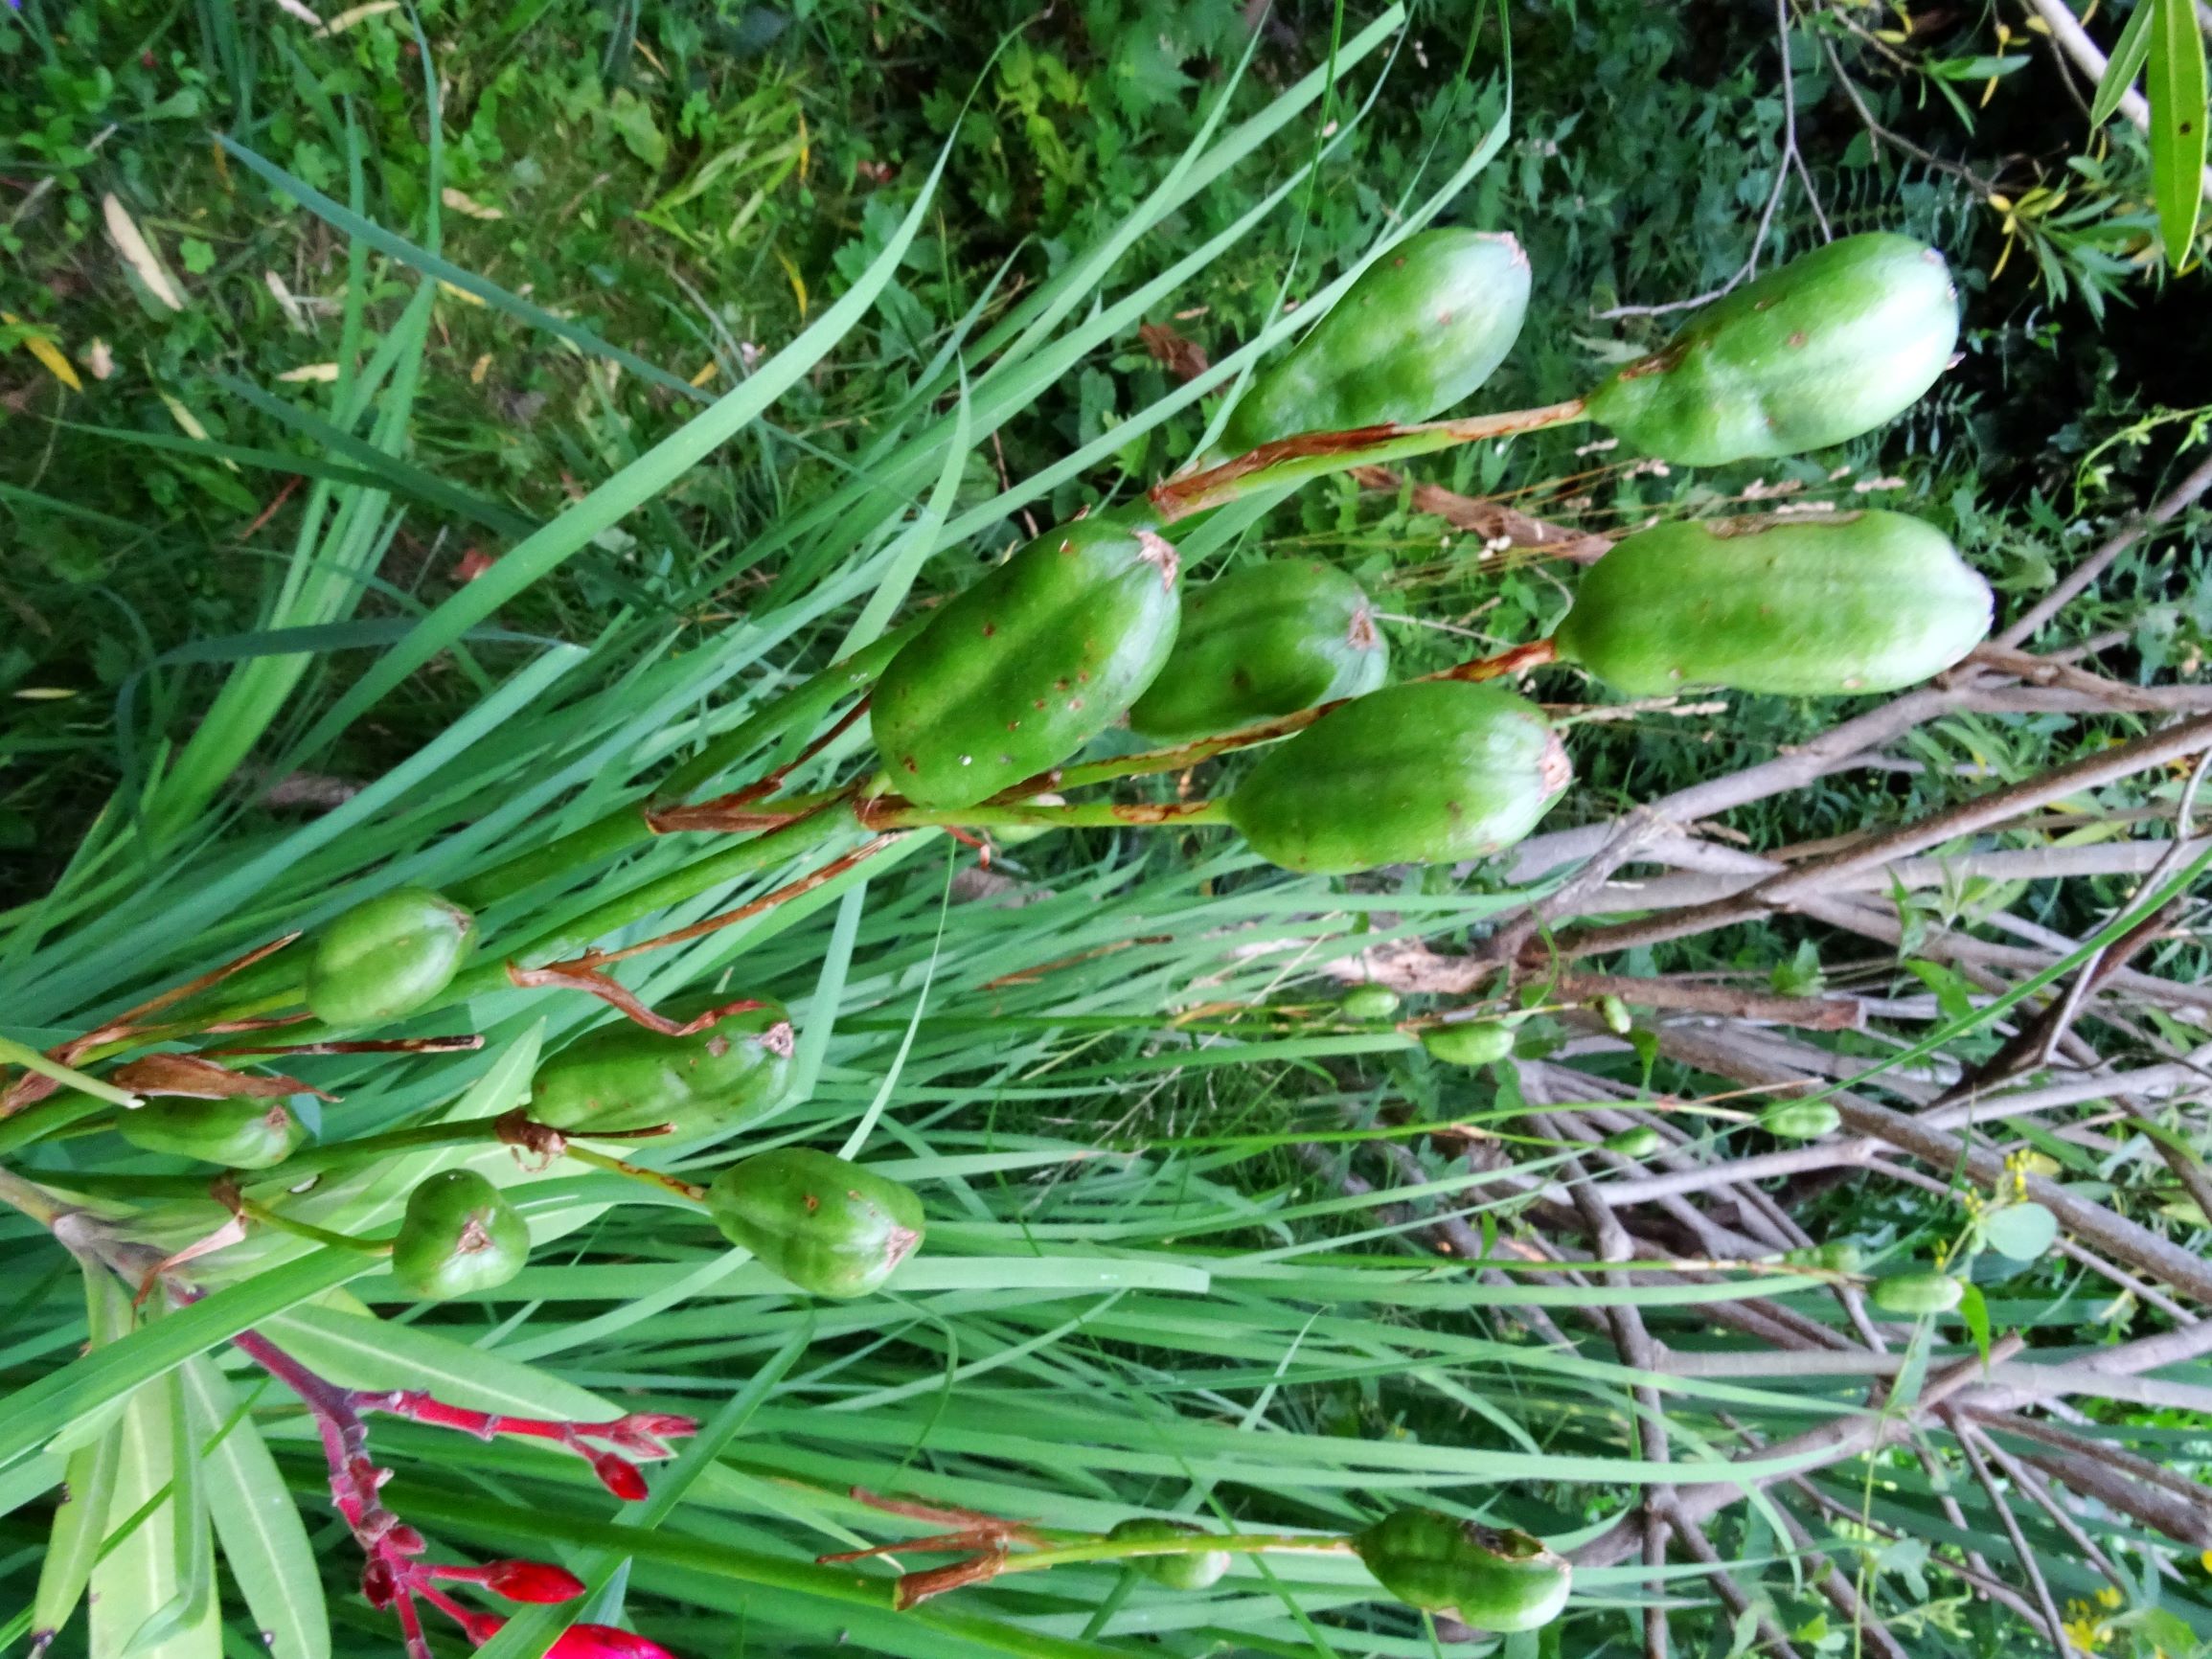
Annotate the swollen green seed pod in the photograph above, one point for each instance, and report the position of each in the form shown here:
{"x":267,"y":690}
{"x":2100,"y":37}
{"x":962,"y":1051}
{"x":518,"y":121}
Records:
{"x":829,"y":1226}
{"x":1264,"y":641}
{"x":1912,"y":1295}
{"x":1423,"y":327}
{"x":1493,"y":1581}
{"x":1480,"y":1042}
{"x":1639,"y":1142}
{"x":624,"y":1077}
{"x":1801,"y":1120}
{"x":1198,"y":1572}
{"x":1841,"y":1257}
{"x":459,"y":1234}
{"x":387,"y":957}
{"x":1824,"y":347}
{"x":1369,"y":1002}
{"x":1863,"y":602}
{"x":239,"y":1134}
{"x":1429,"y":772}
{"x":1018,"y":672}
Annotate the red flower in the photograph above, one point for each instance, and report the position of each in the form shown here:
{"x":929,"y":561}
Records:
{"x":532,"y":1581}
{"x":604,"y":1642}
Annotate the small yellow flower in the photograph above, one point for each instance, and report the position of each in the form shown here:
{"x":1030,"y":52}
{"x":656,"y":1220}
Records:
{"x":2110,"y":1596}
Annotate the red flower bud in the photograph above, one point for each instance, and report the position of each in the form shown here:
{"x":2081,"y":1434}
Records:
{"x":378,"y":1584}
{"x":619,"y":1476}
{"x":532,"y":1581}
{"x":604,"y":1642}
{"x":480,"y":1627}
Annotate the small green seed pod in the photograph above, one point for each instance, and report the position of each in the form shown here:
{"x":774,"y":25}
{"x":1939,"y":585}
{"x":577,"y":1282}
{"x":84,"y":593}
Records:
{"x":829,"y":1226}
{"x":1914,"y":1294}
{"x":1839,"y":1257}
{"x":624,"y":1077}
{"x":387,"y":957}
{"x":1264,"y":641}
{"x":1493,"y":1581}
{"x":1830,"y":344}
{"x":1369,"y":1002}
{"x":1016,"y":675}
{"x":459,"y":1234}
{"x":1863,"y":602}
{"x":239,"y":1134}
{"x":1423,"y":326}
{"x":1429,"y":772}
{"x":1801,"y":1120}
{"x":1615,"y":1013}
{"x":1639,"y":1142}
{"x":1478,"y":1042}
{"x":1200,"y":1572}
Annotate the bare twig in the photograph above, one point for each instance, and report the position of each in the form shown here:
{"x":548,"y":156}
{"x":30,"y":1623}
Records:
{"x":2046,"y":1602}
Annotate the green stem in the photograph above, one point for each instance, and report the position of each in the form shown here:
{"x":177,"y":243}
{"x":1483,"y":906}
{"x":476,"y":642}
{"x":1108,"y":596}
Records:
{"x":1103,"y":1548}
{"x":283,"y":1223}
{"x":1296,"y":461}
{"x":1013,"y":815}
{"x":687,"y":1189}
{"x":31,"y":1059}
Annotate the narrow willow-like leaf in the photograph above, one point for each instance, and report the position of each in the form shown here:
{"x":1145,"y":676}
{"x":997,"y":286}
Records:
{"x":2175,"y":82}
{"x":361,"y":1352}
{"x":256,"y":1521}
{"x":2124,"y":63}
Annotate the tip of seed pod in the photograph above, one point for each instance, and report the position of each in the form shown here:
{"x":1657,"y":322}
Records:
{"x":1553,"y":770}
{"x":1157,"y":551}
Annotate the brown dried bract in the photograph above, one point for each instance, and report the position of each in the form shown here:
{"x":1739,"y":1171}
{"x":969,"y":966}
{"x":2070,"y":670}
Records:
{"x":1184,"y":358}
{"x":582,"y":975}
{"x":202,"y":1079}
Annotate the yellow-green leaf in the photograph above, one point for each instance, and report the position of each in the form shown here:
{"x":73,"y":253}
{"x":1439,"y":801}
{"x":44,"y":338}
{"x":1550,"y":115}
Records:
{"x":256,"y":1521}
{"x":139,"y":1583}
{"x":2176,"y":83}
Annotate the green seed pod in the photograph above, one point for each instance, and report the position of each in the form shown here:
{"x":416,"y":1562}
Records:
{"x":1640,"y":1142}
{"x":240,"y":1134}
{"x":1913,"y":1294}
{"x":624,"y":1077}
{"x":387,"y":957}
{"x":1423,"y":327}
{"x":1495,"y":1580}
{"x":1199,"y":1572}
{"x":459,"y":1234}
{"x":1268,"y":639}
{"x":1865,"y":602}
{"x":1830,"y":344}
{"x":1615,"y":1013}
{"x":1429,"y":772}
{"x":1481,"y":1042}
{"x":829,"y":1226}
{"x":1800,"y":1120}
{"x":1018,"y":672}
{"x":1841,"y":1257}
{"x":1369,"y":1002}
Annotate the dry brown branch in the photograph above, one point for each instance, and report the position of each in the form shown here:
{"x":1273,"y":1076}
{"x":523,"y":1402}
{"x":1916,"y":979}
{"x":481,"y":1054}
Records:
{"x":1818,"y":875}
{"x":2046,"y":1606}
{"x":1830,"y":1444}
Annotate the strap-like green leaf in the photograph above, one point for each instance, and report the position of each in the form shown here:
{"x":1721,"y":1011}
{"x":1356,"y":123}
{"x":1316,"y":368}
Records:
{"x":2176,"y":80}
{"x":256,"y":1520}
{"x":89,"y":1485}
{"x":141,"y":1589}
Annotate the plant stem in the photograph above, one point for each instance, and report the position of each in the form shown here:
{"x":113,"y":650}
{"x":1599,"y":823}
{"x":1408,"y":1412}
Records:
{"x":682,"y":1188}
{"x":1295,"y":461}
{"x":990,"y":815}
{"x":1103,"y":1548}
{"x":283,"y":1223}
